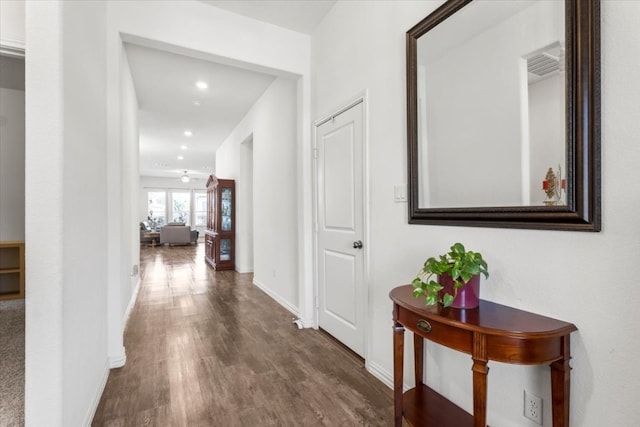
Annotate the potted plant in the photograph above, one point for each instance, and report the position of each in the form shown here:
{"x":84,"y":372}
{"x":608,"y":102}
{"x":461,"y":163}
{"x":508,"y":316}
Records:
{"x":458,"y":278}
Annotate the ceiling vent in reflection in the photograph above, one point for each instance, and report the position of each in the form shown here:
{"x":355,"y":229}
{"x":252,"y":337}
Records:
{"x":545,"y":62}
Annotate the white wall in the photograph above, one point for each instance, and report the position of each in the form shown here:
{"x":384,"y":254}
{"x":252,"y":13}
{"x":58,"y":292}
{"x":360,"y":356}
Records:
{"x":66,"y":348}
{"x":130,"y":194}
{"x":11,"y":148}
{"x":567,"y":275}
{"x":171,"y":183}
{"x":272,"y":124}
{"x":11,"y":164}
{"x":12,"y":28}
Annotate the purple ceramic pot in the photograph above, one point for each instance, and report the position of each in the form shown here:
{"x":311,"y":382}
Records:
{"x":468,"y":295}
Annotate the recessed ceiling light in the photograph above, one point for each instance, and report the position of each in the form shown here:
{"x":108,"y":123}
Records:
{"x":202,"y":85}
{"x":188,"y":133}
{"x":183,"y":147}
{"x":180,"y":157}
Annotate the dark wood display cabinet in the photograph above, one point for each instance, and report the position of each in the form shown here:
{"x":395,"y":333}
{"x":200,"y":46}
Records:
{"x":489,"y":332}
{"x":220,"y":236}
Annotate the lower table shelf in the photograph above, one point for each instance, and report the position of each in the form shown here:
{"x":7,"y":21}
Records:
{"x":423,"y":406}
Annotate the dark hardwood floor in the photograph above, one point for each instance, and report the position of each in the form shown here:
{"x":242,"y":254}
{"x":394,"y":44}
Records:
{"x":208,"y":348}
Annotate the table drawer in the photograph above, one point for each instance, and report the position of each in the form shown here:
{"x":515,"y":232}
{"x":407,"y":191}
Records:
{"x":449,"y":336}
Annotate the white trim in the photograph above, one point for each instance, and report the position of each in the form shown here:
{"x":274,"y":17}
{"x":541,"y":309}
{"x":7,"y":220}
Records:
{"x":119,"y":360}
{"x":380,"y":373}
{"x":383,"y":375}
{"x":366,"y":232}
{"x":277,"y":298}
{"x":132,"y":302}
{"x":96,"y":397}
{"x":361,"y":98}
{"x":306,"y":300}
{"x":14,"y":48}
{"x":306,"y":323}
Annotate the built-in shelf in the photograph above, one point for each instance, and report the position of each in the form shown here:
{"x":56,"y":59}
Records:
{"x":11,"y":270}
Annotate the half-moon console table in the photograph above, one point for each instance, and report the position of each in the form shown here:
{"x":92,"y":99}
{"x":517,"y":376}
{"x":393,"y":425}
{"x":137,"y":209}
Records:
{"x":489,"y":332}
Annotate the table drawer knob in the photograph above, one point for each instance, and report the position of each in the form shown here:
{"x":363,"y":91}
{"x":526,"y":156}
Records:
{"x":424,"y":326}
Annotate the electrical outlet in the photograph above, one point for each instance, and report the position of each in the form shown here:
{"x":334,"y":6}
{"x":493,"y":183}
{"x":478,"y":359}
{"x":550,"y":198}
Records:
{"x":533,"y":407}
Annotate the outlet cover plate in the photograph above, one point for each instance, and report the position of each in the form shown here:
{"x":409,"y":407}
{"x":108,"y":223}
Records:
{"x":533,"y":407}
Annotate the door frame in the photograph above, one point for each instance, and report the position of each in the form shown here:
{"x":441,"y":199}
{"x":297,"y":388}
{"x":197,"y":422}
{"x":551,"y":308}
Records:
{"x":361,"y":98}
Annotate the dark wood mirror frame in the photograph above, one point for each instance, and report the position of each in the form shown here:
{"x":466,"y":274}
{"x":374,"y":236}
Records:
{"x":582,"y":212}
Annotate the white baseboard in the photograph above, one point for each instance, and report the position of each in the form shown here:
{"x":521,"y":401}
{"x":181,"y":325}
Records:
{"x":286,"y":304}
{"x":380,"y":373}
{"x":383,"y":375}
{"x":132,"y":302}
{"x":96,"y":398}
{"x":119,"y":360}
{"x":308,"y":323}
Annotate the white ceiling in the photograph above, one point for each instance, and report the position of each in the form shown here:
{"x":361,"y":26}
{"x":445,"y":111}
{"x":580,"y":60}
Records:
{"x":302,"y":16}
{"x":166,"y":91}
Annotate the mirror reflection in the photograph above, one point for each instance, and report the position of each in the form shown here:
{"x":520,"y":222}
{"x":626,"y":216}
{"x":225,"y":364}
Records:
{"x":491,"y":107}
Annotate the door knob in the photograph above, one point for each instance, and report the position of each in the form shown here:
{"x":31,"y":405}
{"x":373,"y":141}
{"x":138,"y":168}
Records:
{"x":357,"y":244}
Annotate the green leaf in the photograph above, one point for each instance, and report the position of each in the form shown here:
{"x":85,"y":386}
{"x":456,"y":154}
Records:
{"x":431,"y":300}
{"x":457,"y":248}
{"x":447,"y":300}
{"x":466,"y":276}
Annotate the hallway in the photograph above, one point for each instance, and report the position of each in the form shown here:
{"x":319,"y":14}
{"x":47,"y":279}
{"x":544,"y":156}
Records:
{"x":207,"y":348}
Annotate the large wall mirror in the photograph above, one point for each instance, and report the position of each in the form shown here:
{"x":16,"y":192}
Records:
{"x":503,"y":112}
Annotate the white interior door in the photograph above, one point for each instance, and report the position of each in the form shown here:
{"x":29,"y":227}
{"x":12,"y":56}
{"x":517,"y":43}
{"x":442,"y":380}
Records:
{"x":341,"y":297}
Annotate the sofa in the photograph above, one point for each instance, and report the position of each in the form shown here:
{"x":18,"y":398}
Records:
{"x":145,"y":227}
{"x":178,"y":235}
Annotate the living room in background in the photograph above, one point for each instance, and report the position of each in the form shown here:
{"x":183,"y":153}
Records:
{"x":161,"y":206}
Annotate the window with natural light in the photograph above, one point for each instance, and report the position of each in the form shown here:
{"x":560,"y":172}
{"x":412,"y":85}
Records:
{"x":201,"y":208}
{"x":157,"y":208}
{"x":181,"y":207}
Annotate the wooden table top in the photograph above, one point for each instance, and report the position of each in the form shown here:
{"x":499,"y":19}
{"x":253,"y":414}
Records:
{"x":488,"y":318}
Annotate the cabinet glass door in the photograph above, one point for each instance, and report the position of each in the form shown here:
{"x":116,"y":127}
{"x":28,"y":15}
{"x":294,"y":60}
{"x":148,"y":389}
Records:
{"x":226,"y":209}
{"x":225,"y":249}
